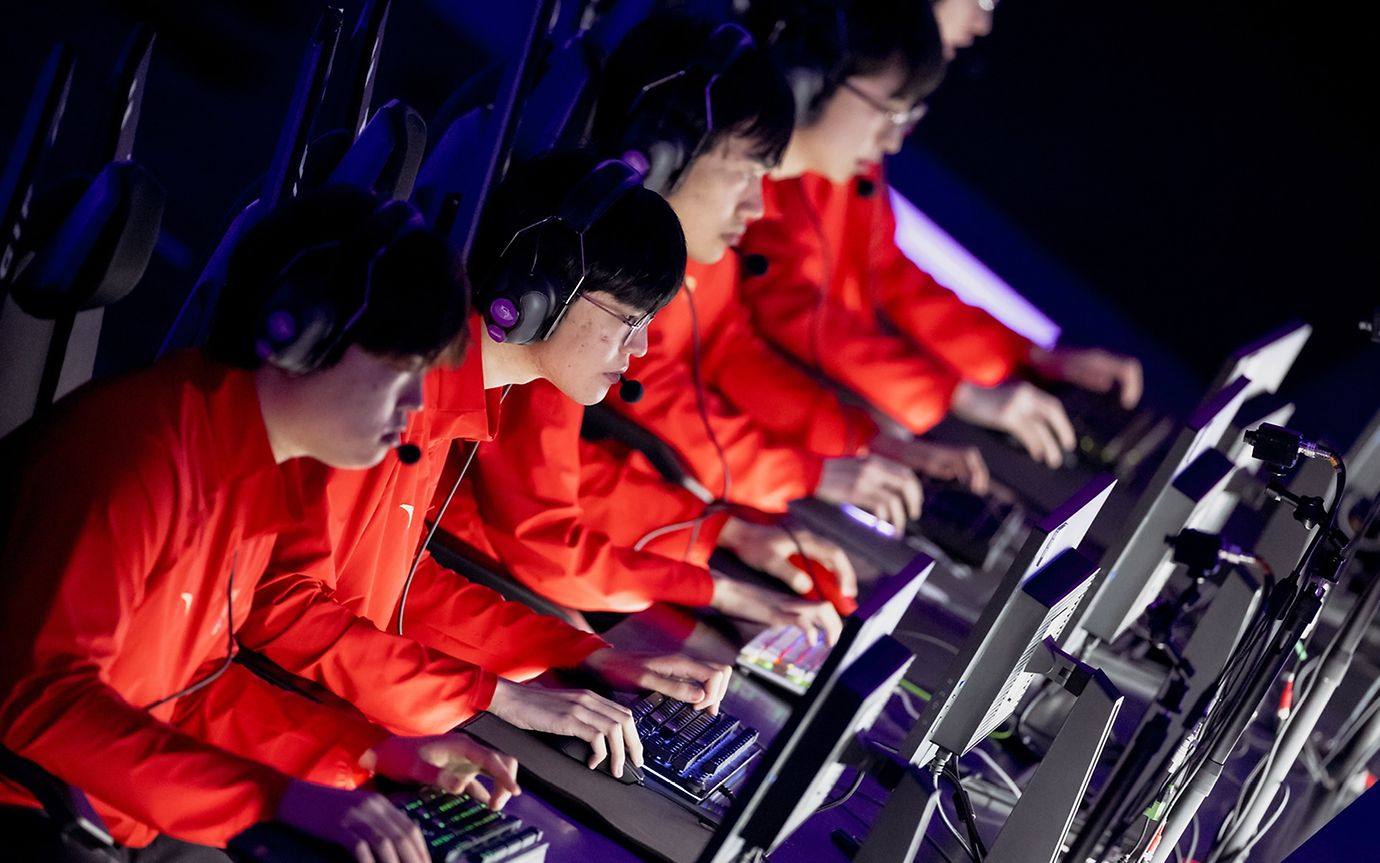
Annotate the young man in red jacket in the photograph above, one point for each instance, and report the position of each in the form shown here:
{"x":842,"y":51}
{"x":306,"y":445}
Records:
{"x":750,"y":424}
{"x":140,"y":514}
{"x":962,"y":22}
{"x":351,"y":621}
{"x":839,"y":296}
{"x":585,"y":273}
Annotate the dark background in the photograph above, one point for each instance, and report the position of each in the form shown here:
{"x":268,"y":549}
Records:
{"x":1171,"y":179}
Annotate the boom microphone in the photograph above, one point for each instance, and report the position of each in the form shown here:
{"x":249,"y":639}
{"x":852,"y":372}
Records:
{"x":408,"y":453}
{"x":753,"y":264}
{"x":629,"y":390}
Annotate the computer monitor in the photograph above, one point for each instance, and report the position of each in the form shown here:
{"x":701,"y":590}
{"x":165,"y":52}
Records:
{"x":1058,"y":532}
{"x":1363,"y":462}
{"x":999,"y":676}
{"x":1265,"y":361}
{"x":806,"y":759}
{"x":1131,"y":567}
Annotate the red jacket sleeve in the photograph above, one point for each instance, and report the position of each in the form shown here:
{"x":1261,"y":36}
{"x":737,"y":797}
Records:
{"x":474,"y":623}
{"x":527,"y":488}
{"x":75,"y":567}
{"x":243,"y":714}
{"x":789,"y":308}
{"x":406,"y":686}
{"x":977,"y":346}
{"x":625,"y":494}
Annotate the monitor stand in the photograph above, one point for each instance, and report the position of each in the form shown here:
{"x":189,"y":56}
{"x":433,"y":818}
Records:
{"x":1035,"y":830}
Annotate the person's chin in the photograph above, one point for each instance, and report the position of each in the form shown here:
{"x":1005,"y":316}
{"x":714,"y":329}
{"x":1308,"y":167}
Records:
{"x":709,"y":254}
{"x":361,"y":460}
{"x":843,"y":173}
{"x":588,"y":394}
{"x":596,"y":394}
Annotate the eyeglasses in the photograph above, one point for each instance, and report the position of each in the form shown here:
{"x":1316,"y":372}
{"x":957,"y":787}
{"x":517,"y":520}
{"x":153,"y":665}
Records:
{"x":634,"y":323}
{"x":903,"y":120}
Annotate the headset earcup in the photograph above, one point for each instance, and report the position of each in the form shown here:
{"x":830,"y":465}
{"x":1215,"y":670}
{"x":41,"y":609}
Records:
{"x":807,"y":84}
{"x":535,"y":307}
{"x":294,"y":330}
{"x":665,"y":158}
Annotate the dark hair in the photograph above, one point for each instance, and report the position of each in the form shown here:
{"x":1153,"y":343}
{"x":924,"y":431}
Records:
{"x":418,"y":298}
{"x":842,"y":38}
{"x":635,"y":251}
{"x":749,"y":99}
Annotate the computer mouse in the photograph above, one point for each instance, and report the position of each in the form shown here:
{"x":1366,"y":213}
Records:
{"x":580,"y":750}
{"x":826,"y":585}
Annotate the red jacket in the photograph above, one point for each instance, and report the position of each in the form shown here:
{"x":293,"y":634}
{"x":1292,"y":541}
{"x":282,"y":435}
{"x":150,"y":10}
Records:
{"x":323,"y":621}
{"x":835,"y":273}
{"x":773,"y":421}
{"x":522,"y":506}
{"x":144,"y":495}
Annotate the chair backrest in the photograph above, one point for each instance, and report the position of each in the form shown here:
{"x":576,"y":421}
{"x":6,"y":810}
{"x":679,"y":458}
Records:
{"x":286,"y":170}
{"x":557,"y":112}
{"x":76,"y":246}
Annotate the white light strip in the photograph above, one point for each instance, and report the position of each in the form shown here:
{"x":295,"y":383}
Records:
{"x":954,"y":267}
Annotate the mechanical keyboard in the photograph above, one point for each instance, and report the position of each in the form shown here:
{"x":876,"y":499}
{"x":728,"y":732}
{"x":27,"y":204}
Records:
{"x":457,"y":829}
{"x":782,"y":655}
{"x":689,"y":750}
{"x":964,"y":525}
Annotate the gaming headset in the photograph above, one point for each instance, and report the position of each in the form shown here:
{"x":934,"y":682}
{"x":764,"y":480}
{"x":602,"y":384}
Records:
{"x":808,"y":43}
{"x":305,"y":317}
{"x":661,"y":143}
{"x":529,"y":297}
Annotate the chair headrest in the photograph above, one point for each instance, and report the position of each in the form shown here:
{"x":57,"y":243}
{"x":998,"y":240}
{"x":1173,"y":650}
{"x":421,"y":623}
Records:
{"x":95,"y":251}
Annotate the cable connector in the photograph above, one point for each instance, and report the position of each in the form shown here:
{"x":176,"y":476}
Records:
{"x":1286,"y":698}
{"x":1280,"y":447}
{"x":1205,"y":552}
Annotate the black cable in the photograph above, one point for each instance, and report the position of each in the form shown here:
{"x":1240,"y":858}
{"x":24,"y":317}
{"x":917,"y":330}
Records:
{"x":939,"y":810}
{"x":845,"y":797}
{"x":229,"y":647}
{"x":963,"y":804}
{"x":795,"y":539}
{"x":435,"y":526}
{"x":1246,"y":669}
{"x":436,"y":522}
{"x":700,"y":396}
{"x":827,"y":275}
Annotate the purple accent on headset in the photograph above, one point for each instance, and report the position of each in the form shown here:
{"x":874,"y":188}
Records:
{"x":503,"y":312}
{"x":637,"y":161}
{"x":497,"y":333}
{"x":281,"y":326}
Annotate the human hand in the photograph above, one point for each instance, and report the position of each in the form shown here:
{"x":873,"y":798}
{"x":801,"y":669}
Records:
{"x":774,"y":608}
{"x":702,"y":684}
{"x":1034,"y":417}
{"x":963,"y":464}
{"x":769,"y":548}
{"x":883,"y":487}
{"x":1092,"y":369}
{"x":364,"y":823}
{"x":451,"y":762}
{"x":605,"y":725}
